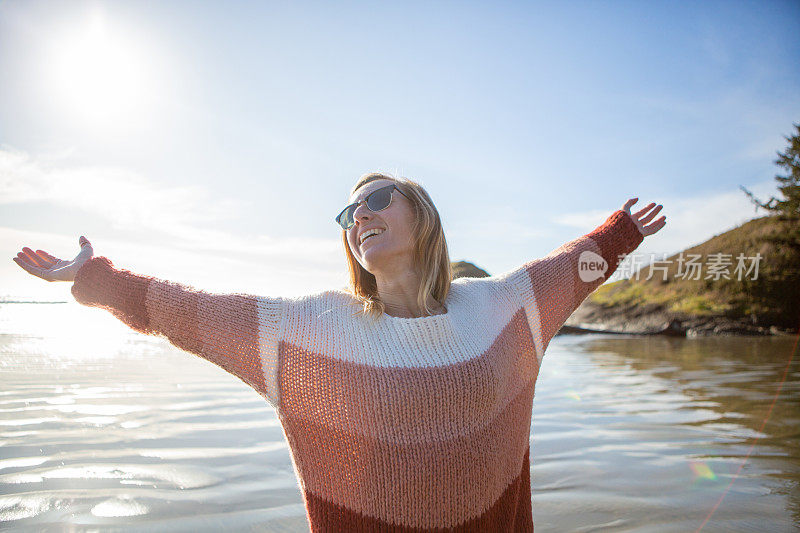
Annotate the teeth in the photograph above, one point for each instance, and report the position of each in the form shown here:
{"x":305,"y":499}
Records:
{"x":370,"y":233}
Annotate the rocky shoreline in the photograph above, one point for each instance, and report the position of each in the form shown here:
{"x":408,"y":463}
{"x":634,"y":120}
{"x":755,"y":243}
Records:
{"x":655,"y":320}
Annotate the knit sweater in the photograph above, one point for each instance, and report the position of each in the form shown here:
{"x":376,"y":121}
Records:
{"x":402,"y":424}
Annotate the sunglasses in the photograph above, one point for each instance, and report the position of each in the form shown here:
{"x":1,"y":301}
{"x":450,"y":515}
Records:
{"x":377,"y":200}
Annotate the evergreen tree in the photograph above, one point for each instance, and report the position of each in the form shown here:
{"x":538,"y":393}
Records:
{"x":789,"y":185}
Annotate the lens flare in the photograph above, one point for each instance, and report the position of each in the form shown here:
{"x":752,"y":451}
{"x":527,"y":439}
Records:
{"x":760,"y":431}
{"x":702,"y":470}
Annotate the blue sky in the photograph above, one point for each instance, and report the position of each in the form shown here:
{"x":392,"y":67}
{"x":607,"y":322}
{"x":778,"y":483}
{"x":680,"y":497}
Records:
{"x":212,"y":144}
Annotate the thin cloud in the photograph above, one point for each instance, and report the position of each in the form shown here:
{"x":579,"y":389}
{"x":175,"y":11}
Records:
{"x":292,"y":275}
{"x":175,"y":216}
{"x":506,"y":226}
{"x":129,"y":201}
{"x":690,"y":220}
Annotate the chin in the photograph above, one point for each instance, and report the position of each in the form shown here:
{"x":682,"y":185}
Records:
{"x":368,"y":262}
{"x":368,"y":266}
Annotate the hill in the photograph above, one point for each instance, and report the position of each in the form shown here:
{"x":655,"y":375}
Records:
{"x":464,"y":269}
{"x":715,"y":298}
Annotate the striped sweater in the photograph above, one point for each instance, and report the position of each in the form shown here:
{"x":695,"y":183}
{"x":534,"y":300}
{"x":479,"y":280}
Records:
{"x":404,"y":424}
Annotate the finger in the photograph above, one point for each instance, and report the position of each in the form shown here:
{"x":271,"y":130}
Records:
{"x":655,"y":226}
{"x":41,"y":263}
{"x":644,"y":210}
{"x":629,"y":203}
{"x":31,"y":269}
{"x":51,"y":258}
{"x":25,"y":258}
{"x":33,"y":257}
{"x":652,"y":214}
{"x":86,"y":252}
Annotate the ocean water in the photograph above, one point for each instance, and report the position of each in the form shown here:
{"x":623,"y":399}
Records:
{"x":105,"y":429}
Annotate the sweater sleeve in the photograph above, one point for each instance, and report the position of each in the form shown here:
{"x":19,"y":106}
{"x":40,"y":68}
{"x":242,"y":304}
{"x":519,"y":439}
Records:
{"x":553,"y":287}
{"x":237,"y":332}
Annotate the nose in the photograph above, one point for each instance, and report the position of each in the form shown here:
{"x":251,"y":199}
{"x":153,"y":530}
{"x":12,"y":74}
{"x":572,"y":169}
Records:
{"x":362,"y":213}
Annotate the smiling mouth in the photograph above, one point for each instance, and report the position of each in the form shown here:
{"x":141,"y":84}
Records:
{"x":370,"y":238}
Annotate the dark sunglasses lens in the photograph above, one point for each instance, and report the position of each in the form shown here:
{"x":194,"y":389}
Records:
{"x":376,"y":201}
{"x":380,"y":199}
{"x":346,"y":218}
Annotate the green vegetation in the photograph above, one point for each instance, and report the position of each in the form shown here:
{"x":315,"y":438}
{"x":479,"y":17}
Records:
{"x":699,"y":305}
{"x":789,"y":186}
{"x":619,"y":293}
{"x":769,"y":297}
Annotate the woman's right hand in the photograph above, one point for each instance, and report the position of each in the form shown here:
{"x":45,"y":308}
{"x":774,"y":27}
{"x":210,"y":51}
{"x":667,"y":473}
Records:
{"x":51,"y":268}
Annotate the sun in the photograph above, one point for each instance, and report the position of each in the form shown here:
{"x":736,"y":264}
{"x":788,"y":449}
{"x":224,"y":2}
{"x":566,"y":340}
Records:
{"x":98,"y":75}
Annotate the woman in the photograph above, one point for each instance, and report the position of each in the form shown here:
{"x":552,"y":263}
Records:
{"x":406,"y":402}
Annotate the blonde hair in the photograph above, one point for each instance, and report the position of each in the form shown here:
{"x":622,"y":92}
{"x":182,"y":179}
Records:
{"x":431,"y":258}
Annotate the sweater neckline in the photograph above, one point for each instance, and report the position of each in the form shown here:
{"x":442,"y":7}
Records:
{"x":429,"y":317}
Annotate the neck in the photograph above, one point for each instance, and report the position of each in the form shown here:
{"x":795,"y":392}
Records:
{"x":398,"y":292}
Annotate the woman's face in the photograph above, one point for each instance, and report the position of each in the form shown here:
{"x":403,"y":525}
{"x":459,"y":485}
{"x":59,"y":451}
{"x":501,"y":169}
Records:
{"x":394,"y":246}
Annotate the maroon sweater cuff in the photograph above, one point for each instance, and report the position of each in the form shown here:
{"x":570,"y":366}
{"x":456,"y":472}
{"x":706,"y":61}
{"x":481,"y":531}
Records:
{"x":98,"y":284}
{"x":618,"y":236}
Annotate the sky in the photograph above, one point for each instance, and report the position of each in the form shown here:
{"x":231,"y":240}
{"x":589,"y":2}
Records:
{"x":212,"y":144}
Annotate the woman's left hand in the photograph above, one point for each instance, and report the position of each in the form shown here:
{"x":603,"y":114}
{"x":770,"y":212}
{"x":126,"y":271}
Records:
{"x":641,"y":220}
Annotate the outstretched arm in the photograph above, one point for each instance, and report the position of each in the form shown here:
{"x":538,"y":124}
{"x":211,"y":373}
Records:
{"x":554,"y":286}
{"x":238,"y":332}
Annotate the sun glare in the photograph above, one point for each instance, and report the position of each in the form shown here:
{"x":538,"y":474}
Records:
{"x":98,"y":74}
